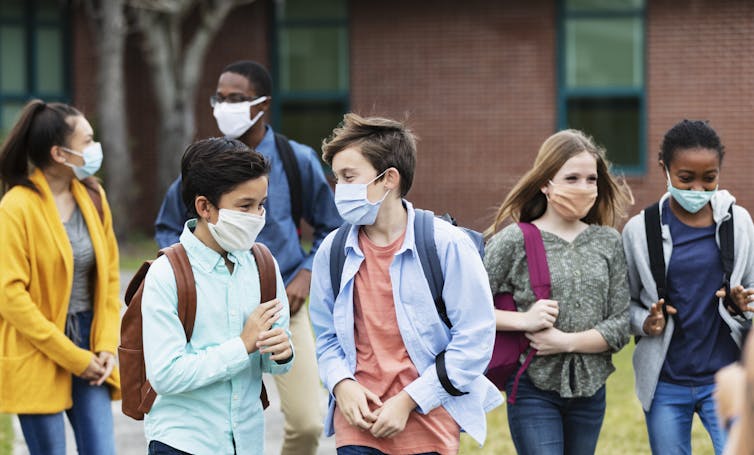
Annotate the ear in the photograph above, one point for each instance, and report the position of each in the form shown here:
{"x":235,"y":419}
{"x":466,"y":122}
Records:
{"x":545,"y":189}
{"x":392,"y":179}
{"x":202,"y":205}
{"x":58,"y":155}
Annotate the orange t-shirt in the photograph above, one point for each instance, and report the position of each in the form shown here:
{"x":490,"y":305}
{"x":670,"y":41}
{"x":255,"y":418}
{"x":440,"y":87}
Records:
{"x":383,"y":365}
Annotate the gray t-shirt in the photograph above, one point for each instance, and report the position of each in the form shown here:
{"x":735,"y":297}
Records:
{"x":83,"y":263}
{"x":588,"y":277}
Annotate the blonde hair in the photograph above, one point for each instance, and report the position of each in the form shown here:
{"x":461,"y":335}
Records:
{"x":526,"y":202}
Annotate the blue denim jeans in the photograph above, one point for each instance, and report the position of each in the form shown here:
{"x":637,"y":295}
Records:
{"x":669,"y":419}
{"x":363,"y":450}
{"x":159,"y":448}
{"x":544,"y":423}
{"x":91,"y":415}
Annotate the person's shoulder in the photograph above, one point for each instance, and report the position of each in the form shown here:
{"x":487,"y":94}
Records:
{"x":509,"y":235}
{"x":17,"y":201}
{"x":160,"y":273}
{"x":605,"y":232}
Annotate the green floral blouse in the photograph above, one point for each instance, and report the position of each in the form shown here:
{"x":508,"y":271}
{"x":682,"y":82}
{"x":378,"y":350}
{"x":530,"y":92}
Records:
{"x":589,"y":281}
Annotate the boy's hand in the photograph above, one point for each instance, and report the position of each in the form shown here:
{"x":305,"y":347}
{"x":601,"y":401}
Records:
{"x":740,"y":296}
{"x":259,"y":320}
{"x":298,"y":290}
{"x":352,"y":399}
{"x":655,"y":322}
{"x":392,"y":416}
{"x":275,"y":342}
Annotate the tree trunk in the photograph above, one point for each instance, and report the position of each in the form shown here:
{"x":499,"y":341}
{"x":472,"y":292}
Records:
{"x":108,"y":22}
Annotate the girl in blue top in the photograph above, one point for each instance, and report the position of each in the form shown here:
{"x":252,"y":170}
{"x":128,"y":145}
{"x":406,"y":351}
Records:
{"x":676,"y":358}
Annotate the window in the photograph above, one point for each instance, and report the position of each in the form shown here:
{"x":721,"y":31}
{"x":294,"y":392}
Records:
{"x":601,"y":76}
{"x":310,"y":68}
{"x":33,"y":55}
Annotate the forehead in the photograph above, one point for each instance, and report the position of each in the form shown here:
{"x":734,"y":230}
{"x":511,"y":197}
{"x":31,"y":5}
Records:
{"x":351,"y":158}
{"x":250,"y":189}
{"x":80,"y":126}
{"x":234,"y":83}
{"x":584,"y":162}
{"x":695,"y":159}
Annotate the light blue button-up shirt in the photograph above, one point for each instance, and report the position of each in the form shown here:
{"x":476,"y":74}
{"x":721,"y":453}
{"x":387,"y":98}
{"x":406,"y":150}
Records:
{"x":468,"y":344}
{"x":208,"y":389}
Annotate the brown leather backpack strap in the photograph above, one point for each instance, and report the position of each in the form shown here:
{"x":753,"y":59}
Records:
{"x":268,"y":290}
{"x":267,"y":275}
{"x":185,"y":286}
{"x":93,"y":188}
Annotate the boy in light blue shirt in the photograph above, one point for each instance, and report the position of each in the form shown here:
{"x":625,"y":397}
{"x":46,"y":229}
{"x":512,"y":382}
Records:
{"x":208,"y":388}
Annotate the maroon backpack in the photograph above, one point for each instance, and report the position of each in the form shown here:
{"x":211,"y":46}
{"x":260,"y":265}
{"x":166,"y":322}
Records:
{"x":509,"y":345}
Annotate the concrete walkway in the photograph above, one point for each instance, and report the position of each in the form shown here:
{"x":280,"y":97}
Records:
{"x":129,"y":433}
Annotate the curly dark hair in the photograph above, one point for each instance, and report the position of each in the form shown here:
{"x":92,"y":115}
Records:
{"x":215,"y":166}
{"x":689,"y":134}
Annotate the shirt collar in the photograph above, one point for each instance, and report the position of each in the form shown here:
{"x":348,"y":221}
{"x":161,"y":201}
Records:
{"x":200,"y":254}
{"x":352,"y":240}
{"x":267,"y":146}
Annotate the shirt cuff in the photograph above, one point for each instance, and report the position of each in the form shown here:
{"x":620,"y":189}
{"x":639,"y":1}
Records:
{"x":426,"y":390}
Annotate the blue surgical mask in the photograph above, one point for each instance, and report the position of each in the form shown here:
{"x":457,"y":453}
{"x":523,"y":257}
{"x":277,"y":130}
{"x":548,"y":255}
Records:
{"x":92,"y":156}
{"x":353,"y":205}
{"x":691,"y":200}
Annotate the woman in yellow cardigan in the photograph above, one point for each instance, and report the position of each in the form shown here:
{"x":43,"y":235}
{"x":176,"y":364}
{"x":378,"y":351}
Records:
{"x":59,"y":283}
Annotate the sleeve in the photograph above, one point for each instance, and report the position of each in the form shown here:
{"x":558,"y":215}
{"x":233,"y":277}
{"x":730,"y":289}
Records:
{"x":173,"y":214}
{"x":318,"y":204}
{"x":108,"y":334}
{"x":638,"y":313}
{"x":171,"y":366}
{"x":615,"y":328}
{"x":469,"y":304}
{"x":272,"y":366}
{"x":17,"y":307}
{"x":498,"y":254}
{"x":331,"y":358}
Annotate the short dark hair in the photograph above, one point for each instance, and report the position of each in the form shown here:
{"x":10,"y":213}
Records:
{"x":385,"y":143}
{"x":689,"y":134}
{"x":256,"y":74}
{"x":215,"y":166}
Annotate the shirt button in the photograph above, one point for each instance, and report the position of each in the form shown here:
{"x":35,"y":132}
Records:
{"x":235,"y":397}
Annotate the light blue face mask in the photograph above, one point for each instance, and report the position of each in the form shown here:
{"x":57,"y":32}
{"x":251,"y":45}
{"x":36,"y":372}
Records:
{"x":353,"y":205}
{"x":92,"y":156}
{"x":691,"y":200}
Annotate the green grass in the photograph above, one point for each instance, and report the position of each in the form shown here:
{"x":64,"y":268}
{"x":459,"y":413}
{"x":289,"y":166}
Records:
{"x":6,"y":434}
{"x":623,"y":430}
{"x":135,"y":251}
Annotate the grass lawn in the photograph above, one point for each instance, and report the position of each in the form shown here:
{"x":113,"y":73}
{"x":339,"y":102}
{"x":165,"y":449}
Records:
{"x":6,"y":434}
{"x":623,"y":430}
{"x":137,"y":250}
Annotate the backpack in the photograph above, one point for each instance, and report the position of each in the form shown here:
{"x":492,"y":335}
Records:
{"x":424,"y":236}
{"x":293,"y":174}
{"x":92,"y":188}
{"x":138,"y":395}
{"x":509,"y":345}
{"x":653,"y":233}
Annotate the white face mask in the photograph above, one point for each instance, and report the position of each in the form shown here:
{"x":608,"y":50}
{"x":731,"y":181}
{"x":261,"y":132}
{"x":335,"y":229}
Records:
{"x":236,"y":231}
{"x":92,"y":156}
{"x":233,"y":118}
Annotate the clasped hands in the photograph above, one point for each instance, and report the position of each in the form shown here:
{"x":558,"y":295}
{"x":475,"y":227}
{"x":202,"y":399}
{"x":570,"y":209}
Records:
{"x":100,"y":367}
{"x":387,"y":420}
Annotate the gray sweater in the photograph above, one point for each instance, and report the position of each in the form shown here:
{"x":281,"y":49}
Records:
{"x":650,"y":351}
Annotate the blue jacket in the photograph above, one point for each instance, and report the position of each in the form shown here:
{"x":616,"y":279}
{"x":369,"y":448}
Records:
{"x":468,"y":344}
{"x":279,"y":233}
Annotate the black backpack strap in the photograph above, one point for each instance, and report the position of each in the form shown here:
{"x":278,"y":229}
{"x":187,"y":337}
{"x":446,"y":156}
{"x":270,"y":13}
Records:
{"x":338,"y":258}
{"x":293,"y":174}
{"x":727,"y":257}
{"x":424,"y":238}
{"x":653,"y":232}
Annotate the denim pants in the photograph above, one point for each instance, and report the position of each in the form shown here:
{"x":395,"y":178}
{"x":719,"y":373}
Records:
{"x":91,"y":415}
{"x":159,"y":448}
{"x":669,"y":419}
{"x":363,"y":450}
{"x":544,"y":423}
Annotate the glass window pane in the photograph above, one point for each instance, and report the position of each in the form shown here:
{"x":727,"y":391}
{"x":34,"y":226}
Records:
{"x":12,"y":9}
{"x":313,"y":58}
{"x":614,"y":124}
{"x":308,"y":9}
{"x":49,"y":60}
{"x":49,"y":10}
{"x":603,"y":5}
{"x":604,"y":52}
{"x":310,"y":123}
{"x":8,"y":115}
{"x":12,"y":59}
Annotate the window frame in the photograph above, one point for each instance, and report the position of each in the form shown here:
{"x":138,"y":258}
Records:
{"x":316,"y":97}
{"x":564,"y":93}
{"x":30,"y":24}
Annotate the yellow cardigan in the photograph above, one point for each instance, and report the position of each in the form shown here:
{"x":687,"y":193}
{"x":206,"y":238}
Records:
{"x":36,"y":277}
